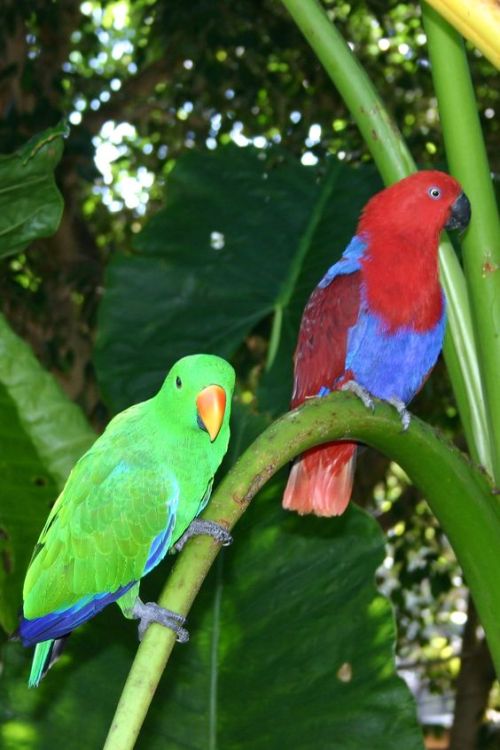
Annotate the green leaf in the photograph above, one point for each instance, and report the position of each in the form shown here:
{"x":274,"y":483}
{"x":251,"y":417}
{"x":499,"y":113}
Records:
{"x":291,"y":645}
{"x":243,"y":236}
{"x":30,"y":203}
{"x":42,"y":434}
{"x":56,"y":426}
{"x":27,"y":492}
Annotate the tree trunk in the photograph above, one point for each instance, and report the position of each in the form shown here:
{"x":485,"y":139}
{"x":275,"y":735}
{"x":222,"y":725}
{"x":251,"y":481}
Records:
{"x":474,"y":683}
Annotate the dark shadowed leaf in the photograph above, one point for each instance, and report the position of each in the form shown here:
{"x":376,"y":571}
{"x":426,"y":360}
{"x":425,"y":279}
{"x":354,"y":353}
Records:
{"x":30,"y":203}
{"x":291,"y":646}
{"x":241,"y":238}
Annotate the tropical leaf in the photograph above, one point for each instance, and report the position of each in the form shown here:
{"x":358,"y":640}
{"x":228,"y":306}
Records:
{"x":242,"y":237}
{"x":31,"y":205}
{"x":42,"y":434}
{"x":291,"y":646}
{"x":27,"y":492}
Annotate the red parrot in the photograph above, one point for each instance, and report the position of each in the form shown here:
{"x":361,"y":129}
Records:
{"x":374,"y":324}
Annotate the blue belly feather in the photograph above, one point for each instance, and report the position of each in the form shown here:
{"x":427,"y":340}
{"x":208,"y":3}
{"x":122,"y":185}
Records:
{"x":388,"y":364}
{"x":392,"y":365}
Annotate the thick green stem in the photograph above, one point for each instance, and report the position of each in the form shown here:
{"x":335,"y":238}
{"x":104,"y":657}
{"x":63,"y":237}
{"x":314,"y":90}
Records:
{"x":461,"y":357}
{"x":380,"y":133}
{"x":459,"y":495}
{"x":394,"y":162}
{"x":481,"y":245}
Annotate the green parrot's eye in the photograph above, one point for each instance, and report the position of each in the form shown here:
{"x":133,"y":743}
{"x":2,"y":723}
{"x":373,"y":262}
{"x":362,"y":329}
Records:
{"x":178,"y":382}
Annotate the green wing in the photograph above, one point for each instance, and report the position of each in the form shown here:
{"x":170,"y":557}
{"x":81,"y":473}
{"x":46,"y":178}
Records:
{"x":99,"y":532}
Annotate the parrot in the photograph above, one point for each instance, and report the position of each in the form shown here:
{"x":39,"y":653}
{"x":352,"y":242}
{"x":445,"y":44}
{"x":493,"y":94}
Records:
{"x":374,"y":324}
{"x":132,"y":496}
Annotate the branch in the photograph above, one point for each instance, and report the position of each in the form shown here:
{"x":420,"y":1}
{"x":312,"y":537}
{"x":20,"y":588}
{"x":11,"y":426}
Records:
{"x":459,"y":495}
{"x":468,"y":161}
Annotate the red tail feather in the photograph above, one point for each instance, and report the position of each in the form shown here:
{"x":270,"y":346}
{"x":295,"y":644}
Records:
{"x":320,"y":481}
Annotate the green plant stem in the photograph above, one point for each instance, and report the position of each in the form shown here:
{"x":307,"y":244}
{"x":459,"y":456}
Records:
{"x":380,"y":133}
{"x":394,"y":162}
{"x":461,"y":357}
{"x":481,"y":245}
{"x":458,"y":494}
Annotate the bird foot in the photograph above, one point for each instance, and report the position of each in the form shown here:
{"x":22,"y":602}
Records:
{"x":361,"y":392}
{"x":403,"y":412}
{"x":210,"y":528}
{"x":150,"y":612}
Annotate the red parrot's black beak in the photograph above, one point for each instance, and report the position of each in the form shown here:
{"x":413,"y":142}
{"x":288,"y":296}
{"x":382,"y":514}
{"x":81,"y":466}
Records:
{"x":460,"y":213}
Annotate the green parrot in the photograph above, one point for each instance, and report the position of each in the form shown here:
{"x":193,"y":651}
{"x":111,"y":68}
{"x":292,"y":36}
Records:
{"x":134,"y":495}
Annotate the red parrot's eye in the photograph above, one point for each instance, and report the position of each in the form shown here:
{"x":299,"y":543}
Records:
{"x":434,"y":192}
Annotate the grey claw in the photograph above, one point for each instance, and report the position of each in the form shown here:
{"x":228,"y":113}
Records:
{"x":210,"y":528}
{"x":365,"y":396}
{"x":151,"y":612}
{"x":403,"y":412}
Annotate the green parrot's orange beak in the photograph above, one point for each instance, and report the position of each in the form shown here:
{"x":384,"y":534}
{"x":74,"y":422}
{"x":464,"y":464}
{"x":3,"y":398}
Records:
{"x":211,"y":404}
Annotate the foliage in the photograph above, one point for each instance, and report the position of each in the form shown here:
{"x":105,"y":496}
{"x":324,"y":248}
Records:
{"x":149,"y":80}
{"x":278,"y":226}
{"x":260,"y":623}
{"x":349,"y":668}
{"x":30,"y":203}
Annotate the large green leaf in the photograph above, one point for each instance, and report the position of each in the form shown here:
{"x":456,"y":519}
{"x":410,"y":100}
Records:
{"x":243,"y":236}
{"x":291,"y":646}
{"x":27,"y":492}
{"x":31,"y":205}
{"x":42,"y":434}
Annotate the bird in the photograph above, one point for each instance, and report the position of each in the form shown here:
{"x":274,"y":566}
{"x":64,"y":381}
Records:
{"x":374,"y":324}
{"x":136,"y":493}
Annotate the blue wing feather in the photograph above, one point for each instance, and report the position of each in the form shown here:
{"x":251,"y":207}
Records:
{"x":348,"y":263}
{"x":160,"y":546}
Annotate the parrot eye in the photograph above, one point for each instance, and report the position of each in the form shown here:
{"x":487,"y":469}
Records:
{"x":178,"y":382}
{"x":434,"y":193}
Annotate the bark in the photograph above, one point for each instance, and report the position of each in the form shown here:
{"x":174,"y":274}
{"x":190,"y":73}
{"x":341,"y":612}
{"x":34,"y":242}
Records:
{"x":474,"y":683}
{"x":133,"y":97}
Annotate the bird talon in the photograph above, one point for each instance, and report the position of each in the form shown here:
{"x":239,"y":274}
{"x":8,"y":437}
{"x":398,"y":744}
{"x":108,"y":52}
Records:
{"x":365,"y":396}
{"x":403,"y":412}
{"x":209,"y":528}
{"x":150,"y":612}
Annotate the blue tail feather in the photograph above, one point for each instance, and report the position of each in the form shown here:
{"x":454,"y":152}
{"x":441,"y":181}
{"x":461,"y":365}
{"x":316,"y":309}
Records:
{"x":56,"y":624}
